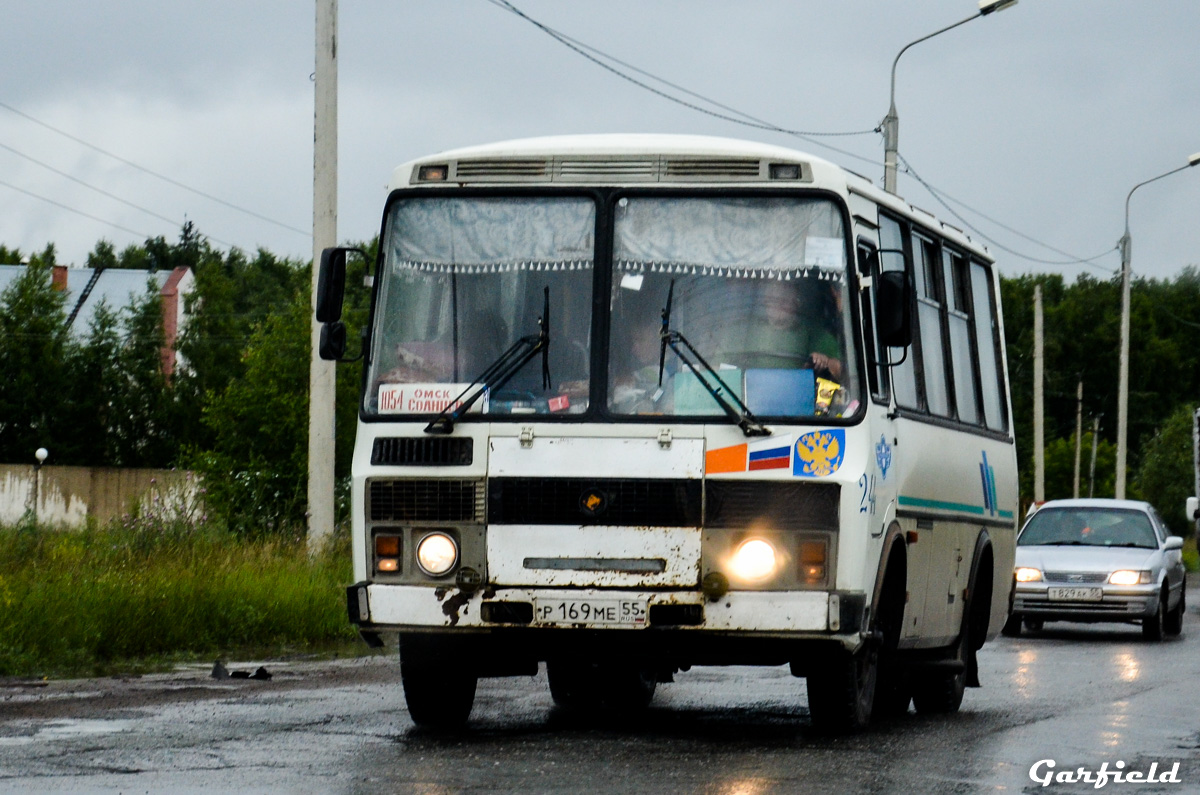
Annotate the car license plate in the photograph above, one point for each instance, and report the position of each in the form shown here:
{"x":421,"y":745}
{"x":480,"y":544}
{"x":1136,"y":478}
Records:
{"x":1075,"y":594}
{"x":592,"y":612}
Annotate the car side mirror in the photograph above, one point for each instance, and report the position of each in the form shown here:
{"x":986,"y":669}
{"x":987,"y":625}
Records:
{"x":1193,"y":509}
{"x":893,"y":312}
{"x":1173,"y":542}
{"x":331,"y":284}
{"x":333,"y":341}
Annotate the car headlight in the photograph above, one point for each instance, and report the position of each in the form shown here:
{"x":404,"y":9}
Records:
{"x":1026,"y":574}
{"x":437,"y":553}
{"x":754,"y":560}
{"x":1129,"y":577}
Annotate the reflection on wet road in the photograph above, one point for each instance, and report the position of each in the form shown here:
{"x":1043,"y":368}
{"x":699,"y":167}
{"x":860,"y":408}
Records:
{"x":1081,"y":696}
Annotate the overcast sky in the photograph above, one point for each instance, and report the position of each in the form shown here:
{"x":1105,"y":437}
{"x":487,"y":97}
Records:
{"x":1041,"y":117}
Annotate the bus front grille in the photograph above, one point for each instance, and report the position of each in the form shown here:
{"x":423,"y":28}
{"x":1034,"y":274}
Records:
{"x":595,"y":501}
{"x":422,"y":451}
{"x":425,"y":501}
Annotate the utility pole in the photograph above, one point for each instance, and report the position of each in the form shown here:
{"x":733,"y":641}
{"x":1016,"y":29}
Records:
{"x":1039,"y":416}
{"x":1092,"y":473}
{"x":321,"y":383}
{"x":1078,"y":436}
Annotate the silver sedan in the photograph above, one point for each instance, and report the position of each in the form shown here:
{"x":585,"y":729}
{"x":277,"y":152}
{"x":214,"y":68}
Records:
{"x":1098,"y":560}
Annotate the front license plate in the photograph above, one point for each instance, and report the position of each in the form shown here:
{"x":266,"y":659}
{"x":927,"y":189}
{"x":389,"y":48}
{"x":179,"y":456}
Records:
{"x":1075,"y":594}
{"x":596,"y":612}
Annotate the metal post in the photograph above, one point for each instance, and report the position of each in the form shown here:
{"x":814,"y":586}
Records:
{"x":1196,"y":460}
{"x":321,"y":373}
{"x":1039,"y":414}
{"x":891,"y":122}
{"x":1078,"y":437}
{"x":1092,"y":471}
{"x":1126,"y":245}
{"x":1123,"y":374}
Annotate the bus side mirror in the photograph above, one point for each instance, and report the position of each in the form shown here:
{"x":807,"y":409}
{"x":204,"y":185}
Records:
{"x":893,"y":313}
{"x":1193,"y":509}
{"x":331,"y":285}
{"x":333,"y":341}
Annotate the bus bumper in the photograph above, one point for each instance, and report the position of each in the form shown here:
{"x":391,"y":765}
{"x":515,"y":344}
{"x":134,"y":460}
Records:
{"x":379,"y":608}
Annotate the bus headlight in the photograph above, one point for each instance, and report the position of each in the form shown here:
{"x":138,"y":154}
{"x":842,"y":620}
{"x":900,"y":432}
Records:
{"x":754,"y":560}
{"x":437,"y":554}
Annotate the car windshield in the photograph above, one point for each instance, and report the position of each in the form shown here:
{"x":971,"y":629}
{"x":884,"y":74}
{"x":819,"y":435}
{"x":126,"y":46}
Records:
{"x":1093,"y":527}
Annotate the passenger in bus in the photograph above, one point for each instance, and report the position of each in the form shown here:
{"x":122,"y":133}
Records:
{"x":786,"y":324}
{"x":635,"y":388}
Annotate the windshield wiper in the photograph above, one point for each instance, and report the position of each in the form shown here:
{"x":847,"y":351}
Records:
{"x":500,"y":371}
{"x":677,"y":342}
{"x":1060,"y":544}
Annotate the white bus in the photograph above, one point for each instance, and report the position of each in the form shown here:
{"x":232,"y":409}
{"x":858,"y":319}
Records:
{"x":635,"y":403}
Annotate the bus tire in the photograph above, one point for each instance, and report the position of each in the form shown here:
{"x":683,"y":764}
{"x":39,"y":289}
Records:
{"x":599,"y":686}
{"x":438,"y":697}
{"x":1012,"y":627}
{"x":941,"y":692}
{"x":892,"y":691}
{"x":841,"y":690}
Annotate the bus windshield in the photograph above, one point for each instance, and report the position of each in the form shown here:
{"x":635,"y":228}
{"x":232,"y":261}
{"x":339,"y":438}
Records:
{"x":462,"y":280}
{"x":757,"y":286}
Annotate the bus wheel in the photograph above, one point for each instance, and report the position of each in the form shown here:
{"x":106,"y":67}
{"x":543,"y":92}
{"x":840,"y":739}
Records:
{"x":941,"y":692}
{"x":438,"y":697}
{"x":1012,"y":627}
{"x":603,"y":686}
{"x":841,"y":691}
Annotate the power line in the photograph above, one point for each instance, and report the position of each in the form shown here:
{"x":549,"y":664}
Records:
{"x":101,"y":191}
{"x":595,"y":55}
{"x":1089,"y":261}
{"x":155,"y":174}
{"x":77,"y":212}
{"x":746,"y":119}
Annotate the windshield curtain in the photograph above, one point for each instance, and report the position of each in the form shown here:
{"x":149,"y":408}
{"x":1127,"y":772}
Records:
{"x":759,"y":290}
{"x":462,"y":280}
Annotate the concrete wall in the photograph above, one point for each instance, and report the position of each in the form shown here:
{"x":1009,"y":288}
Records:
{"x":70,"y":495}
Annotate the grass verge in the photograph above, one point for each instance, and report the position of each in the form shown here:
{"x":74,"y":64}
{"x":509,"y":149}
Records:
{"x":141,"y":596}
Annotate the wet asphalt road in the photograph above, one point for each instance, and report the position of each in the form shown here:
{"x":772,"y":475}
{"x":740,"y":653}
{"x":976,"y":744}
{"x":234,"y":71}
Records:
{"x":1079,"y":695}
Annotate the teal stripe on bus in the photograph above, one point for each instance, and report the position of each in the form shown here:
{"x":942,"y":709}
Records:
{"x":975,"y":510}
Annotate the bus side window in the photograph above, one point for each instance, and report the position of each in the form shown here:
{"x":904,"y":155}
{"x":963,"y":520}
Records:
{"x":956,"y":277}
{"x":903,"y":375}
{"x":929,"y":325}
{"x":868,"y":268}
{"x":988,"y":342}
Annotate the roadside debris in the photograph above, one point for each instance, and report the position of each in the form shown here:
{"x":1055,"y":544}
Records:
{"x":219,"y":671}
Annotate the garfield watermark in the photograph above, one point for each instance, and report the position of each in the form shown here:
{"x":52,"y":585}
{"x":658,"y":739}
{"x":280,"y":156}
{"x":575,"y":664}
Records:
{"x":1044,"y":772}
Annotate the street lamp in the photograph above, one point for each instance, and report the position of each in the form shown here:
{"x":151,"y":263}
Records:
{"x":41,"y":454}
{"x":891,"y":122}
{"x":1123,"y":381}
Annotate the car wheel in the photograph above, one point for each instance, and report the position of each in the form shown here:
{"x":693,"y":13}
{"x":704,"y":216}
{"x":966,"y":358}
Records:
{"x":438,"y":698}
{"x":1154,"y":627}
{"x":1012,"y":627}
{"x":1173,"y":624}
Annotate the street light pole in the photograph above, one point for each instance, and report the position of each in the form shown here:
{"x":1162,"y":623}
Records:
{"x":891,"y":122}
{"x":1126,"y":246}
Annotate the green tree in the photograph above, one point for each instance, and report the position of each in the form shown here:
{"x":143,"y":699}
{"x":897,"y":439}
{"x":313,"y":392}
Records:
{"x":1165,"y":474}
{"x":33,"y":347}
{"x":255,"y":470}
